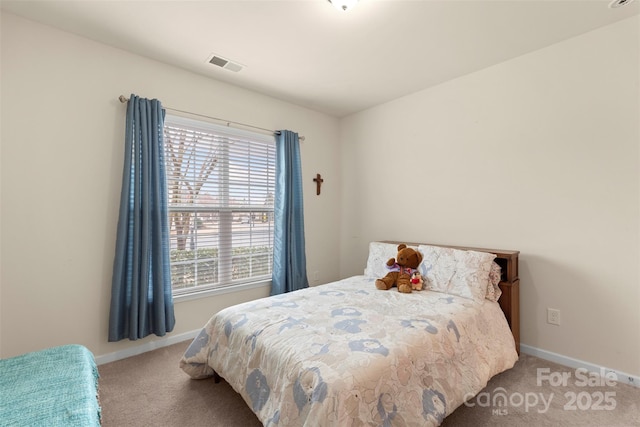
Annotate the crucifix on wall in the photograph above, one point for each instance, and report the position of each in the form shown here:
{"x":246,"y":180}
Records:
{"x":318,"y":180}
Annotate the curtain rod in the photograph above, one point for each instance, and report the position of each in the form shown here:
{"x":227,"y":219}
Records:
{"x":124,"y":100}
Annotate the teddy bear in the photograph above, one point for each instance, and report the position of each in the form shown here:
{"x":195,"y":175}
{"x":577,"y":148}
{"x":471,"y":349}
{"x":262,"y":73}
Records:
{"x":400,"y":270}
{"x":416,"y":281}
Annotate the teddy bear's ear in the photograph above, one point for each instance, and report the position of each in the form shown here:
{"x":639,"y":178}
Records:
{"x":420,"y":256}
{"x":401,"y":246}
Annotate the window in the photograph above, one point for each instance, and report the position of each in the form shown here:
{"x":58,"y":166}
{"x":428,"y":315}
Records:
{"x":221,"y":192}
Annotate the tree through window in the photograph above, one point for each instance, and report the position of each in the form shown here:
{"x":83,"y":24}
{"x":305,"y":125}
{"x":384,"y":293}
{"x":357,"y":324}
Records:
{"x":221,"y":192}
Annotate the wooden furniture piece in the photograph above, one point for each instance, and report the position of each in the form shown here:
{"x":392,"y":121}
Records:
{"x":510,"y":284}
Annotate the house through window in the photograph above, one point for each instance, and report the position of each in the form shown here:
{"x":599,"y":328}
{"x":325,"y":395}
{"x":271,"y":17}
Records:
{"x":220,"y":184}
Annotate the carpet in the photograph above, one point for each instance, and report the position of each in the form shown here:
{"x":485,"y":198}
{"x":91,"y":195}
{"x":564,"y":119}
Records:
{"x":151,"y":390}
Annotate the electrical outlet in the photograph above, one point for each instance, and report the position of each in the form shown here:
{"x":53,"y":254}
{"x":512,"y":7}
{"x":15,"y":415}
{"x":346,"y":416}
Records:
{"x":553,"y":316}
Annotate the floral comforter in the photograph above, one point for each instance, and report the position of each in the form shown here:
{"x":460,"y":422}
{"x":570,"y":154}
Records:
{"x":347,"y":354}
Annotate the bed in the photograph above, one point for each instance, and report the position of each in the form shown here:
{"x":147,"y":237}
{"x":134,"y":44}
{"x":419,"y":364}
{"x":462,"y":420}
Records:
{"x":52,"y":387}
{"x":348,"y":354}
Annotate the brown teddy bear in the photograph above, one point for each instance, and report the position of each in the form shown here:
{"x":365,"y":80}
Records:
{"x":400,"y":270}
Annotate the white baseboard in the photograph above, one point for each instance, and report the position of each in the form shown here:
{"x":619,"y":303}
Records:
{"x":576,"y":363}
{"x":143,"y":348}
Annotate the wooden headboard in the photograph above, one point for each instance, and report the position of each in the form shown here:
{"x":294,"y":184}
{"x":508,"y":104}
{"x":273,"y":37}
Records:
{"x":510,"y":284}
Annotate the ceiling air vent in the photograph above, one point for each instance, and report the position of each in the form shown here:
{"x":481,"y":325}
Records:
{"x":225,"y":63}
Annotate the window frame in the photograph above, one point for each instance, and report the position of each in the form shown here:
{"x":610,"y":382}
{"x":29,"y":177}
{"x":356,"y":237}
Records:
{"x":202,"y":125}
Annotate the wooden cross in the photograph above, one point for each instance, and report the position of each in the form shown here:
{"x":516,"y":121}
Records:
{"x":318,"y":180}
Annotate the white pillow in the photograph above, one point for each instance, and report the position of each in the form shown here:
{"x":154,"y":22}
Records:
{"x":458,"y":272}
{"x":379,"y":254}
{"x":493,"y":288}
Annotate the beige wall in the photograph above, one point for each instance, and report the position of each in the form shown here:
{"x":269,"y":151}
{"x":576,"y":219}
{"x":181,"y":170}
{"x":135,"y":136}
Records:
{"x":62,"y":150}
{"x":538,"y":154}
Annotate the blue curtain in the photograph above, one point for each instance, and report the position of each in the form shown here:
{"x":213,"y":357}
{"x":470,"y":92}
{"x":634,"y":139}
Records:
{"x":289,"y":258}
{"x":141,"y":299}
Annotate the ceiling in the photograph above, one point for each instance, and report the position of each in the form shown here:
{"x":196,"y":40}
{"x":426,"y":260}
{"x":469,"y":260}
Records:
{"x":311,"y":54}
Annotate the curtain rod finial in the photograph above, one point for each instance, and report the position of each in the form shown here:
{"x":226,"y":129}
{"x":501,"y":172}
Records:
{"x":123,"y":99}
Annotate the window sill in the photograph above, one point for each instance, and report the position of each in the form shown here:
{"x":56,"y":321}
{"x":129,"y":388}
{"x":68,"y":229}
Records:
{"x":219,"y":291}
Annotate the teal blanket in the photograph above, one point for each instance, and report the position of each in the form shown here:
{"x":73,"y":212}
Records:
{"x":53,"y":387}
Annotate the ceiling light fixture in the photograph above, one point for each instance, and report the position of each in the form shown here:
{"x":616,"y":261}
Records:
{"x":619,"y":3}
{"x":343,"y":5}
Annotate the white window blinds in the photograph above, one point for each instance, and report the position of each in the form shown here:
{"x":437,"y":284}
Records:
{"x":221,"y":191}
